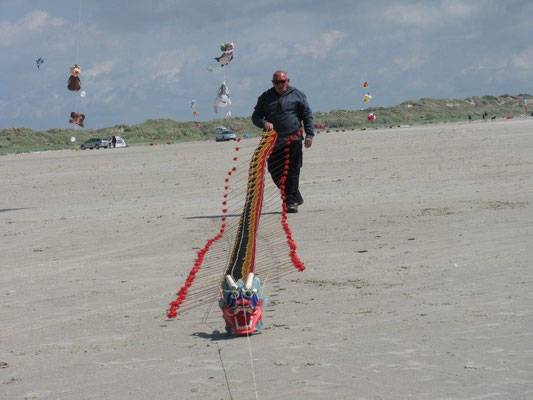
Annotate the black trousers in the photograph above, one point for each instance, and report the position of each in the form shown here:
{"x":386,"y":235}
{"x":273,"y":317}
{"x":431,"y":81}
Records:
{"x":276,"y":164}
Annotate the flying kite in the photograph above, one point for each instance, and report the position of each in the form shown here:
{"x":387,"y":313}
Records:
{"x":371,"y":117}
{"x":39,"y":62}
{"x":365,"y":84}
{"x":192,"y":103}
{"x":223,"y":100}
{"x":210,"y":69}
{"x":77,"y":118}
{"x":227,"y":54}
{"x":74,"y":82}
{"x":366,"y":98}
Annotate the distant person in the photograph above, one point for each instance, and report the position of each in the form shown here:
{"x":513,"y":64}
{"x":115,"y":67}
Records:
{"x":114,"y":141}
{"x":284,"y":108}
{"x":469,"y":118}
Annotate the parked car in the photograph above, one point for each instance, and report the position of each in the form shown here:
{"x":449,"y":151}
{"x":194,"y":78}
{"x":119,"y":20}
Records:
{"x":95,"y":143}
{"x":223,"y":135}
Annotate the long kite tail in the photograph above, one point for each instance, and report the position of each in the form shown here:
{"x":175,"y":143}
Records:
{"x":258,"y":247}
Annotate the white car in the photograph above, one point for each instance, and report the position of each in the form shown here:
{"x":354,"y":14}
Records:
{"x":224,"y":134}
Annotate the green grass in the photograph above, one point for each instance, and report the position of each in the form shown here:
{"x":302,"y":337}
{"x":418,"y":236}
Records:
{"x":423,"y":111}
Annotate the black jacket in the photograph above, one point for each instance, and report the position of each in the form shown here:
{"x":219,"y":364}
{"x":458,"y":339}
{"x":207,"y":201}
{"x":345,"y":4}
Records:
{"x":286,"y":112}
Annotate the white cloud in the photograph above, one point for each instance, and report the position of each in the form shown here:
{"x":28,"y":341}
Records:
{"x":411,"y":61}
{"x":412,"y":14}
{"x":523,"y":60}
{"x":166,"y":65}
{"x":268,"y":50}
{"x":426,"y":15}
{"x":485,"y":65}
{"x":321,"y":47}
{"x":346,"y":53}
{"x":457,"y":8}
{"x":106,"y":95}
{"x":104,"y":67}
{"x":32,"y":23}
{"x":171,"y":74}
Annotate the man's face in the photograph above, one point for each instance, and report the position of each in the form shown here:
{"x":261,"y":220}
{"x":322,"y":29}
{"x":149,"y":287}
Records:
{"x":280,"y":83}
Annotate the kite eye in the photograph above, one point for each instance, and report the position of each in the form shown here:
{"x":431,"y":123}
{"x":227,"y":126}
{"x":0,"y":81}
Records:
{"x":247,"y":293}
{"x":234,"y":295}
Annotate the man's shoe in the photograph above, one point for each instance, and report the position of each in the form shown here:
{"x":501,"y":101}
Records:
{"x":292,"y":208}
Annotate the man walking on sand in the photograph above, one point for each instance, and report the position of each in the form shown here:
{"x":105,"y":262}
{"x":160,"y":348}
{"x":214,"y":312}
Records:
{"x":284,"y":108}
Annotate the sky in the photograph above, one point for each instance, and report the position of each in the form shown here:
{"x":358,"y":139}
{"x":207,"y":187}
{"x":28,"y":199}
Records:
{"x":145,"y":59}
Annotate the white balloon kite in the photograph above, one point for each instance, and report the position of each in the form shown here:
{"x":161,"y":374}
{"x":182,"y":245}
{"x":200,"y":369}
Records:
{"x":223,"y":100}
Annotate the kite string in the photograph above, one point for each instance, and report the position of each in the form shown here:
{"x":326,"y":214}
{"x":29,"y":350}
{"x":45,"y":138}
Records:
{"x":250,"y":347}
{"x":79,"y":31}
{"x":75,"y":93}
{"x":78,"y":48}
{"x":205,"y":320}
{"x":252,"y":364}
{"x":226,"y":38}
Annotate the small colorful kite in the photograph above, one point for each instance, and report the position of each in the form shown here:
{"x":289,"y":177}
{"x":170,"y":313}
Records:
{"x":77,"y":118}
{"x":227,"y":54}
{"x":39,"y":62}
{"x":366,"y":98}
{"x":74,"y":82}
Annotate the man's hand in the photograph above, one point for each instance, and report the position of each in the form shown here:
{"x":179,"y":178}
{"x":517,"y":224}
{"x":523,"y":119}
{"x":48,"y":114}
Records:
{"x":269,"y":126}
{"x":308,"y":142}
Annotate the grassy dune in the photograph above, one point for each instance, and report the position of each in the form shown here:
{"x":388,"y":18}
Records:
{"x":423,"y":111}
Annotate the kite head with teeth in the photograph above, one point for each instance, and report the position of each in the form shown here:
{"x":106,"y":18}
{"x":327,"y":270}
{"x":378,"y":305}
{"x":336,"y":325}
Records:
{"x":242,"y":305}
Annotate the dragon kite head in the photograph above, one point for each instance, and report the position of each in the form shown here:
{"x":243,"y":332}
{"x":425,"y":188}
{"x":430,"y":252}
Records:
{"x":242,"y":305}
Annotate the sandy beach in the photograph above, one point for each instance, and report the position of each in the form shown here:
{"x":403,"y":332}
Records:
{"x":419,"y":283}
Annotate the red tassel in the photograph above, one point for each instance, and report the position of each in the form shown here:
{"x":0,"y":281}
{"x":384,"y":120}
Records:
{"x":296,"y":262}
